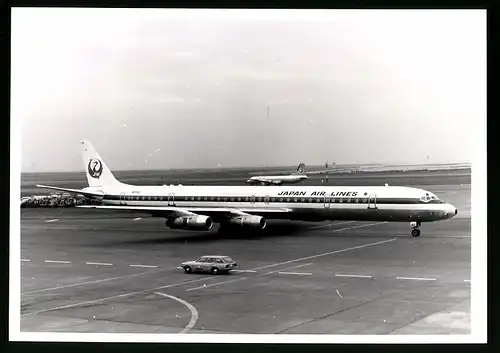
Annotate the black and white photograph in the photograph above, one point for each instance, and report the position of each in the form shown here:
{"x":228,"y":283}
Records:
{"x":277,"y":176}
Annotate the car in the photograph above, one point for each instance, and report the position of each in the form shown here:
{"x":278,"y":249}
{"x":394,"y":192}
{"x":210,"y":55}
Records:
{"x":213,"y":264}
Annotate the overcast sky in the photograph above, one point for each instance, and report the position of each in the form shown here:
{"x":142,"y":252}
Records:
{"x":157,"y":88}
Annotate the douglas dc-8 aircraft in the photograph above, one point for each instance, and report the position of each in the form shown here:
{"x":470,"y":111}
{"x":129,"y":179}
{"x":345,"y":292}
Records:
{"x":198,"y":207}
{"x":294,"y":178}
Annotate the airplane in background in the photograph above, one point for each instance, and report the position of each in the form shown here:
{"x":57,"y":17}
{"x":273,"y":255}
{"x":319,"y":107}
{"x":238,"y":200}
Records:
{"x":199,"y":207}
{"x":297,"y":177}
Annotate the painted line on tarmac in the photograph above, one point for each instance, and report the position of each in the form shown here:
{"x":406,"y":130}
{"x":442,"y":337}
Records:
{"x":57,"y":261}
{"x":467,"y":280}
{"x":52,"y":220}
{"x":417,"y":278}
{"x":90,"y":282}
{"x":216,"y":284}
{"x":361,"y":226}
{"x":25,"y":260}
{"x":194,"y":312}
{"x":99,"y":263}
{"x":330,"y":225}
{"x":326,"y":254}
{"x":146,"y":266}
{"x":244,"y":271}
{"x":360,"y":276}
{"x":113,"y":297}
{"x":286,"y":269}
{"x":296,"y":273}
{"x":137,"y":219}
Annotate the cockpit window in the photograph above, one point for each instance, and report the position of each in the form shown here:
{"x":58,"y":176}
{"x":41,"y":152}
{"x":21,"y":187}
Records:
{"x":430,"y":197}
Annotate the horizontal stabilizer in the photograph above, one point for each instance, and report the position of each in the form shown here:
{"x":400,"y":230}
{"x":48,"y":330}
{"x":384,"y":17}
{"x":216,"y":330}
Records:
{"x":74,"y":191}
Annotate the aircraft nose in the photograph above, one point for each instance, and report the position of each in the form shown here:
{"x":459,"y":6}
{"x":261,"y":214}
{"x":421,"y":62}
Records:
{"x":452,"y":211}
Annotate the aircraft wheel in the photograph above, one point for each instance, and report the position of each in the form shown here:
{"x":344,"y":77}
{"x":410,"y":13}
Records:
{"x":415,"y":232}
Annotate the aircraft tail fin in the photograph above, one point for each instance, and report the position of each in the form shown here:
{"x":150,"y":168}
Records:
{"x":98,"y":173}
{"x":301,"y":169}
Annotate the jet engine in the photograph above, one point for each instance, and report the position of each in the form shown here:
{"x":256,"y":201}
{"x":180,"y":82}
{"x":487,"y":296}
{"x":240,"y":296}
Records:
{"x":249,"y":221}
{"x":190,"y":223}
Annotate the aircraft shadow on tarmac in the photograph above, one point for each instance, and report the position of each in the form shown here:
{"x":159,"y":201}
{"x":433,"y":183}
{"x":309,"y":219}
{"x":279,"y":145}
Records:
{"x":218,"y":235}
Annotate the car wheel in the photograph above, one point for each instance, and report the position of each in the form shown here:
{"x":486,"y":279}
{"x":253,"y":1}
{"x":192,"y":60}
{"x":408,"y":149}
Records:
{"x":188,"y":269}
{"x":215,"y":271}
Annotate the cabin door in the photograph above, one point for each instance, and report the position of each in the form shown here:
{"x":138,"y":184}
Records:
{"x":122,"y":199}
{"x":327,"y":202}
{"x":266,"y":199}
{"x":252,"y":199}
{"x":171,"y":198}
{"x":372,"y":202}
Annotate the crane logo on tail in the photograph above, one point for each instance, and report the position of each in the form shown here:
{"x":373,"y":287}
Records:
{"x":95,"y":168}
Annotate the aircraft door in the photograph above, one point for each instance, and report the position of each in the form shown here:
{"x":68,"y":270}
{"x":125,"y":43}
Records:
{"x":266,"y":199}
{"x":122,"y":199}
{"x":171,"y":199}
{"x":327,"y":202}
{"x":252,"y":199}
{"x":372,"y":202}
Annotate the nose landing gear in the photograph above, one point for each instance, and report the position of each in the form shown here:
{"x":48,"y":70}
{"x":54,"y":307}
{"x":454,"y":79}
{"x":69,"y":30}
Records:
{"x":415,"y":231}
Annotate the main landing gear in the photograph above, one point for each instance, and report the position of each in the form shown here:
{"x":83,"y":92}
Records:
{"x":415,"y":231}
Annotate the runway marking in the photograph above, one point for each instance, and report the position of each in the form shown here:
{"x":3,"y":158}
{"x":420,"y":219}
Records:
{"x":52,"y":220}
{"x":286,"y":269}
{"x":99,"y":263}
{"x":326,"y":254}
{"x":146,"y":266}
{"x":137,"y":219}
{"x":330,"y":225}
{"x":339,"y":293}
{"x":296,"y":273}
{"x":90,"y":282}
{"x":417,"y":278}
{"x":112,"y":297}
{"x":58,"y":261}
{"x":216,"y":284}
{"x":194,"y":313}
{"x":243,"y":271}
{"x":466,"y":280}
{"x":361,"y":226}
{"x":360,"y":276}
{"x":25,"y":260}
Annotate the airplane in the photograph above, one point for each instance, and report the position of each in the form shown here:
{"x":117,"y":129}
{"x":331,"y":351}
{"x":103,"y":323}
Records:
{"x":297,"y":177}
{"x":199,"y":207}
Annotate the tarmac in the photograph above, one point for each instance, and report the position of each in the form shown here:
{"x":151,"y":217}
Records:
{"x":92,"y":271}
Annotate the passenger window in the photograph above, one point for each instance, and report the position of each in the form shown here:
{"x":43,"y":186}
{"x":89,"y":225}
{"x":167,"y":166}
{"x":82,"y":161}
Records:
{"x":288,"y":200}
{"x":356,"y":200}
{"x":186,"y":198}
{"x":281,"y":199}
{"x":311,"y":200}
{"x":341,"y":200}
{"x":294,"y":199}
{"x":303,"y":200}
{"x":192,"y":198}
{"x":272,"y":199}
{"x":348,"y":200}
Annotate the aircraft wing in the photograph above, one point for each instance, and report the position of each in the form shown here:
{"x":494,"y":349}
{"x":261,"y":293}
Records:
{"x":172,"y":211}
{"x":74,"y":191}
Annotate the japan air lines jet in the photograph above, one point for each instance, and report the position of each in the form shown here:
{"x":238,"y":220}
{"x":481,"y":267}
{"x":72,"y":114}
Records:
{"x":297,"y":177}
{"x":198,"y":207}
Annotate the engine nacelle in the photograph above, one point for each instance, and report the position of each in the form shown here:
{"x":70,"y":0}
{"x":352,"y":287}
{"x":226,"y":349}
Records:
{"x":249,"y":221}
{"x":190,"y":223}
